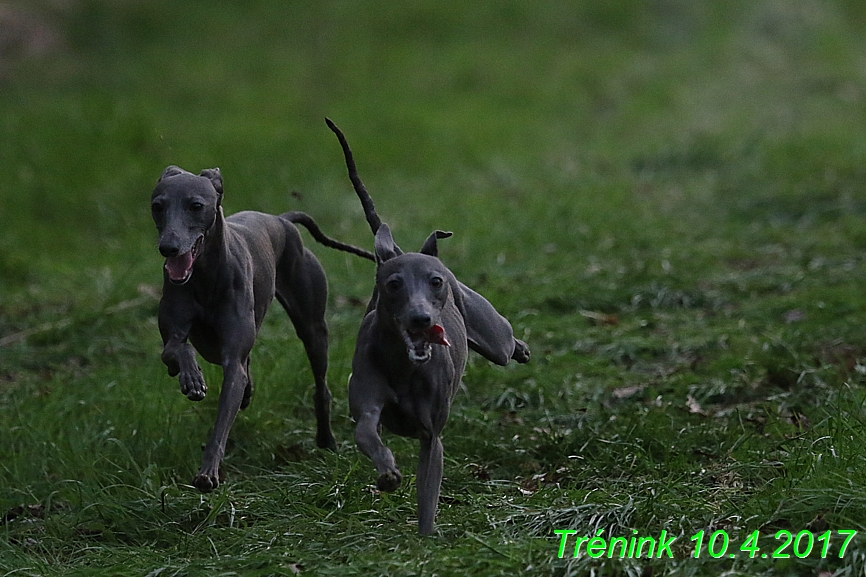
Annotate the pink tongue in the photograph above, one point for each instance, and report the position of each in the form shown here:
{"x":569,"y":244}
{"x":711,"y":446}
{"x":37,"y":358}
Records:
{"x":436,"y":335}
{"x":178,"y":267}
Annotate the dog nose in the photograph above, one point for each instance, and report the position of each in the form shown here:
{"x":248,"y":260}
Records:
{"x":420,"y":321}
{"x":168,"y":251}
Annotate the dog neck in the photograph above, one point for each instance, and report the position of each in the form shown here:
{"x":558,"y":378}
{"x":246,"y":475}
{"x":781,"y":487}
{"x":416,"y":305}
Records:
{"x":209,"y":264}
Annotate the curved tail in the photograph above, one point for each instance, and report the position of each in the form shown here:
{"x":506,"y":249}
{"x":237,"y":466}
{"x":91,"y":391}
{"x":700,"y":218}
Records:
{"x":369,"y":210}
{"x":307,"y":222}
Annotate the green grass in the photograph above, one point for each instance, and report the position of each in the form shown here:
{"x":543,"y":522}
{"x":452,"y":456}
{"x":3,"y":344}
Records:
{"x":666,"y":198}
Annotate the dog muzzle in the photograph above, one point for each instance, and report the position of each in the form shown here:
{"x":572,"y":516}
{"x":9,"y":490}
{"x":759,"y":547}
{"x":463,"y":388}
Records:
{"x":419,"y":343}
{"x":179,"y":268}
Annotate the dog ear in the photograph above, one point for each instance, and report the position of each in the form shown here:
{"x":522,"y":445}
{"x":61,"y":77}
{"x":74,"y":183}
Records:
{"x":488,"y":333}
{"x":171,"y":171}
{"x":215,"y":177}
{"x":384,"y":244}
{"x":430,"y":246}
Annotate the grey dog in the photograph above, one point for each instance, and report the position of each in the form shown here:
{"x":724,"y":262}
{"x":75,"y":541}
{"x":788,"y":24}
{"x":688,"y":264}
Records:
{"x":221,"y":275}
{"x":411,"y":352}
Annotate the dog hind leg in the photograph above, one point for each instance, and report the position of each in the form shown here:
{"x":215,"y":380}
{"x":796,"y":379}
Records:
{"x":304,"y":295}
{"x":248,"y":389}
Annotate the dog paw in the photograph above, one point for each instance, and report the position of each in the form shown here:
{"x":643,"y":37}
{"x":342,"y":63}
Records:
{"x":521,"y":352}
{"x":192,"y":385}
{"x":389,"y":481}
{"x":326,"y":441}
{"x":206,"y":483}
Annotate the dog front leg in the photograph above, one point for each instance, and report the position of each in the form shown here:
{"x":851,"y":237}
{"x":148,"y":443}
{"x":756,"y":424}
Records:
{"x":370,"y":443}
{"x":429,"y":482}
{"x":235,"y":380}
{"x":179,"y":357}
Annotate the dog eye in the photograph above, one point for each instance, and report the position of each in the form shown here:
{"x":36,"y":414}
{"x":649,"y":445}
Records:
{"x":436,"y":282}
{"x":394,"y":284}
{"x":156,"y":207}
{"x":196,"y":206}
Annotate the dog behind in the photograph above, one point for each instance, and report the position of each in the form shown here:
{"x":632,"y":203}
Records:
{"x":411,"y":352}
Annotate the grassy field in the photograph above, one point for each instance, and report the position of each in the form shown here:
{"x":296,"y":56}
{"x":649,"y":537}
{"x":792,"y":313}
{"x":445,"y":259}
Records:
{"x":667,"y":198}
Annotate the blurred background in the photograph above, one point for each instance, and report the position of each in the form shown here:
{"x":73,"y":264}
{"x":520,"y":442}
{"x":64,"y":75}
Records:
{"x":442,"y":102}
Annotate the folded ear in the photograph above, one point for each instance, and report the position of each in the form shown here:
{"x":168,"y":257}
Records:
{"x":430,"y":246}
{"x":215,"y":177}
{"x":488,"y":333}
{"x":171,"y":171}
{"x":384,"y":244}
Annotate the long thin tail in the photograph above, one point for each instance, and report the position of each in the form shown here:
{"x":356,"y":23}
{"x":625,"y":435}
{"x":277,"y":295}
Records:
{"x":307,"y":222}
{"x":369,"y":210}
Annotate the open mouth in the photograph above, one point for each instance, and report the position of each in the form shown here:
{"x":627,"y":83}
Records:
{"x":179,"y":268}
{"x":419,"y":343}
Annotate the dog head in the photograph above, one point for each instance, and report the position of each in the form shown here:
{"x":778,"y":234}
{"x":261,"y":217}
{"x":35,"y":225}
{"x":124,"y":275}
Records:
{"x":184,"y":207}
{"x":412,"y":290}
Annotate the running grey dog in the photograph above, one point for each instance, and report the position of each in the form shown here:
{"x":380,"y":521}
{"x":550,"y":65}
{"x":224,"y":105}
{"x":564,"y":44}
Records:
{"x":411,"y":352}
{"x":221,"y":275}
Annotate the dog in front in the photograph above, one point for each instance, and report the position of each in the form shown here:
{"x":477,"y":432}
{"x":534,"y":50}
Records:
{"x":220,"y":276}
